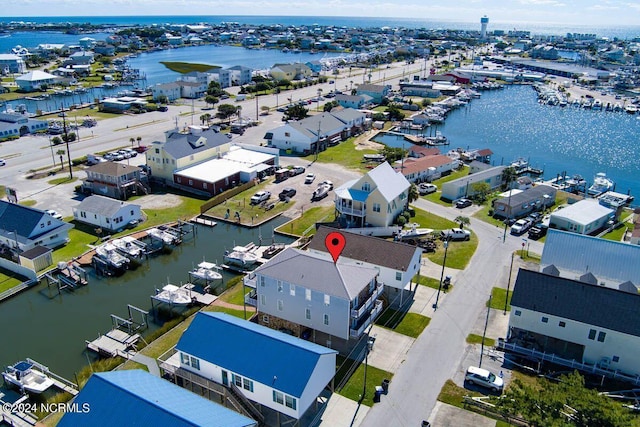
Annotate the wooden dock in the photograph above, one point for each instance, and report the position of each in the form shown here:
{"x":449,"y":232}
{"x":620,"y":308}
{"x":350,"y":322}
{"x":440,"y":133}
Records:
{"x":205,"y":220}
{"x":14,"y":417}
{"x":205,"y":299}
{"x":114,"y":343}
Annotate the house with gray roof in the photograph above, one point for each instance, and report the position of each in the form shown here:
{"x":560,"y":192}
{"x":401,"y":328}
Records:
{"x":183,"y":149}
{"x":115,"y":180}
{"x":376,"y":92}
{"x":269,"y":375}
{"x":397,"y":262}
{"x":310,"y":296}
{"x":23,"y":228}
{"x":574,"y":255}
{"x":350,"y":101}
{"x":171,"y":91}
{"x":583,"y":217}
{"x":315,"y":133}
{"x":463,"y":186}
{"x":376,"y":199}
{"x":35,"y":80}
{"x":295,"y":71}
{"x":106,"y":213}
{"x":520,"y":204}
{"x":577,"y":324}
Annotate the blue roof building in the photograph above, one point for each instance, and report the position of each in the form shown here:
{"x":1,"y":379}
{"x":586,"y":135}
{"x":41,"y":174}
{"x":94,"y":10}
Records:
{"x":271,"y":368}
{"x":127,"y":398}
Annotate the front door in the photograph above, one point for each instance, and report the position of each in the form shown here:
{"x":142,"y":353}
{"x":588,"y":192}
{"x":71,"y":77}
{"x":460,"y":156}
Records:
{"x":225,"y":378}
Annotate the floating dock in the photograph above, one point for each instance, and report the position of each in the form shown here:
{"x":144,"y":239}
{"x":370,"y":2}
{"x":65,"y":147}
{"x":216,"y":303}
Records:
{"x":205,"y":220}
{"x":114,"y":343}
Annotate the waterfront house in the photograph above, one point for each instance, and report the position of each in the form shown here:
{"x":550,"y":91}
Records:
{"x":271,"y":375}
{"x":376,"y":92}
{"x":544,"y":51}
{"x":463,"y":186}
{"x":310,"y":296}
{"x":108,"y":214}
{"x":427,"y":168}
{"x":171,"y":91}
{"x":583,"y":217}
{"x":241,"y":164}
{"x":79,"y":58}
{"x":576,"y":256}
{"x":376,"y":199}
{"x":11,"y":64}
{"x":136,"y":397}
{"x":35,"y":80}
{"x":575,"y":322}
{"x":17,"y":125}
{"x":121,"y":104}
{"x":295,"y":71}
{"x":183,"y":149}
{"x":350,"y":101}
{"x":240,"y":75}
{"x":397,"y":262}
{"x":23,"y":228}
{"x":522,"y":203}
{"x":115,"y":180}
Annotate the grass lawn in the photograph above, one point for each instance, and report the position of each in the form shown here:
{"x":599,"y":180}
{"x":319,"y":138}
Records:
{"x":435,"y":197}
{"x":428,"y":282}
{"x":62,"y":180}
{"x":307,"y":221}
{"x":477,"y":339}
{"x":235,"y":292}
{"x":250,"y":214}
{"x":452,"y":394}
{"x":429,"y":220}
{"x":498,"y":298}
{"x":354,"y":386}
{"x":187,"y":67}
{"x":458,"y":253}
{"x":9,"y":279}
{"x":344,"y":154}
{"x":81,"y":113}
{"x":617,"y":234}
{"x":402,"y":322}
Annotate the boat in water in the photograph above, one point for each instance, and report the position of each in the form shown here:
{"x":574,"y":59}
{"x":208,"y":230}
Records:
{"x":207,"y":271}
{"x":109,"y":255}
{"x":23,"y":376}
{"x":129,"y":247}
{"x":173,"y":295}
{"x":601,"y":184}
{"x":164,"y":236}
{"x":240,"y":256}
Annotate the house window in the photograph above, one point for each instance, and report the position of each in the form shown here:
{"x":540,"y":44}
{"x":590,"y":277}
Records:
{"x":195,"y":363}
{"x":517,"y":313}
{"x":279,"y":286}
{"x":366,"y":187}
{"x":592,"y":334}
{"x":262,"y":281}
{"x":237,"y":380}
{"x":307,"y":294}
{"x":184,"y":358}
{"x":287,"y":134}
{"x":398,"y":275}
{"x":326,"y":319}
{"x":545,"y":320}
{"x":278,"y":397}
{"x":327,"y":299}
{"x":280,"y":305}
{"x":204,"y":185}
{"x":601,"y":336}
{"x":615,"y":359}
{"x":562,"y":324}
{"x":263,"y":299}
{"x":307,"y":313}
{"x":265,"y":319}
{"x":292,"y":289}
{"x":290,"y":402}
{"x":131,"y":212}
{"x":190,"y":182}
{"x":376,"y":207}
{"x":248,"y":384}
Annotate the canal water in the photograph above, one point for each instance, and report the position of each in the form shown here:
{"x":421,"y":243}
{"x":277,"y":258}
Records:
{"x":53,"y":330}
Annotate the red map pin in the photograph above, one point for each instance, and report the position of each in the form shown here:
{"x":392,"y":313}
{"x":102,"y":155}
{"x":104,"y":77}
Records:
{"x":335,"y":244}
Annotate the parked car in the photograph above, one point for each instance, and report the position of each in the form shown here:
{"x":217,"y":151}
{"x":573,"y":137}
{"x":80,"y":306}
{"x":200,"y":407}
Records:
{"x":309,"y":178}
{"x":463,"y":203}
{"x":425,"y":188}
{"x":455,"y":234}
{"x":327,"y":184}
{"x":297,"y":170}
{"x":287,"y":193}
{"x":53,"y":213}
{"x":2,"y":162}
{"x":163,"y":108}
{"x":260,"y":197}
{"x":520,"y":226}
{"x":484,"y":378}
{"x":538,"y":231}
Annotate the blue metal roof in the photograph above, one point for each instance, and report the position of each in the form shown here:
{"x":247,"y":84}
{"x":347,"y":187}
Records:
{"x":128,"y":398}
{"x":358,"y":195}
{"x":269,"y":357}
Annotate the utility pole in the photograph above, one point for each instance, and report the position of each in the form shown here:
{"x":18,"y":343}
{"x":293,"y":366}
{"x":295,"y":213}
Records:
{"x":66,"y":138}
{"x":318,"y":143}
{"x":506,"y":301}
{"x":484,"y":333}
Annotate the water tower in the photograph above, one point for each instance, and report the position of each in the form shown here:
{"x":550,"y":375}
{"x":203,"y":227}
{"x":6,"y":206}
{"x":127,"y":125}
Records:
{"x":484,"y":21}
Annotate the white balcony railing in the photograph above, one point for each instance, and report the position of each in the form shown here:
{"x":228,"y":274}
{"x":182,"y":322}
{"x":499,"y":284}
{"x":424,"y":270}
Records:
{"x":351,"y":211}
{"x":357,"y":333}
{"x":356,"y":314}
{"x":251,"y":281}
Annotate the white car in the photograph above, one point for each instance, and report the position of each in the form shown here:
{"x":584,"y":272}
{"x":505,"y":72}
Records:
{"x":520,"y":226}
{"x":484,"y":378}
{"x":2,"y":162}
{"x":327,"y":184}
{"x":53,"y":213}
{"x":260,"y":197}
{"x":309,"y":178}
{"x":425,"y":188}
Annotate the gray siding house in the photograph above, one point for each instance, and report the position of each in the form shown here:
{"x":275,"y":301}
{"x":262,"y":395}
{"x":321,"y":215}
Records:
{"x":520,"y":204}
{"x":463,"y":186}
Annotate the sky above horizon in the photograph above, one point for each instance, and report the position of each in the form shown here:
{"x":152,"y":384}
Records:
{"x":571,"y":12}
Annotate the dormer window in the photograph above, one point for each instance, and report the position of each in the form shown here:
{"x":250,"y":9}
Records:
{"x":366,"y":187}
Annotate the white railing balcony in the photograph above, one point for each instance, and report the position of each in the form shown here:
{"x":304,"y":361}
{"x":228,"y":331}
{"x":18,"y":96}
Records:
{"x":361,"y":212}
{"x":357,"y":313}
{"x":250,"y":281}
{"x":251,"y":298}
{"x":377,"y":309}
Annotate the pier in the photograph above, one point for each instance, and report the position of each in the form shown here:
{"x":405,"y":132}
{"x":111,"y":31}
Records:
{"x":14,"y":417}
{"x":118,"y":342}
{"x":205,"y":220}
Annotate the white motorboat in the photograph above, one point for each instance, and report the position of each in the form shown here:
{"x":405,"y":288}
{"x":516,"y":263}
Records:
{"x":173,"y":295}
{"x":129,"y":247}
{"x":601,"y":184}
{"x":631,"y":109}
{"x":240,"y":256}
{"x":164,"y":236}
{"x":23,"y":376}
{"x":414,"y":232}
{"x":207,"y":271}
{"x":110,"y":255}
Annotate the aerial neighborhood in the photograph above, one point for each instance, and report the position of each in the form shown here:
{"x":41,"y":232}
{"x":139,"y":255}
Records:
{"x":305,"y":244}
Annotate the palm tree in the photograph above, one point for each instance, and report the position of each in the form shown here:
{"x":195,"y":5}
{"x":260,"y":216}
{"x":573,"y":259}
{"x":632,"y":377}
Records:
{"x":414,"y":194}
{"x":132,"y":140}
{"x":462,"y":220}
{"x":508,"y":176}
{"x":139,"y":140}
{"x":61,"y":153}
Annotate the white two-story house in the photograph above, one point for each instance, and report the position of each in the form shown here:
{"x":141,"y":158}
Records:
{"x":310,"y":296}
{"x":274,"y":370}
{"x":375,"y":199}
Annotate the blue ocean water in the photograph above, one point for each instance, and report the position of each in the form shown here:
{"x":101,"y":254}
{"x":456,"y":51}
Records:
{"x":622,"y":32}
{"x":31,"y":39}
{"x":577,"y":141}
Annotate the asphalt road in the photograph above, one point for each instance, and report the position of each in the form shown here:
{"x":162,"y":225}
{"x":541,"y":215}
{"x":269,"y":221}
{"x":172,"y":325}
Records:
{"x":438,"y":352}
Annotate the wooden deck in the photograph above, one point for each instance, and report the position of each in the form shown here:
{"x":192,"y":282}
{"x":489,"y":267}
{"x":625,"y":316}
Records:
{"x":205,"y":220}
{"x":114,"y":343}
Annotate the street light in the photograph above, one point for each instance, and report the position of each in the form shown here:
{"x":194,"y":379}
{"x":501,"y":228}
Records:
{"x":444,"y":263}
